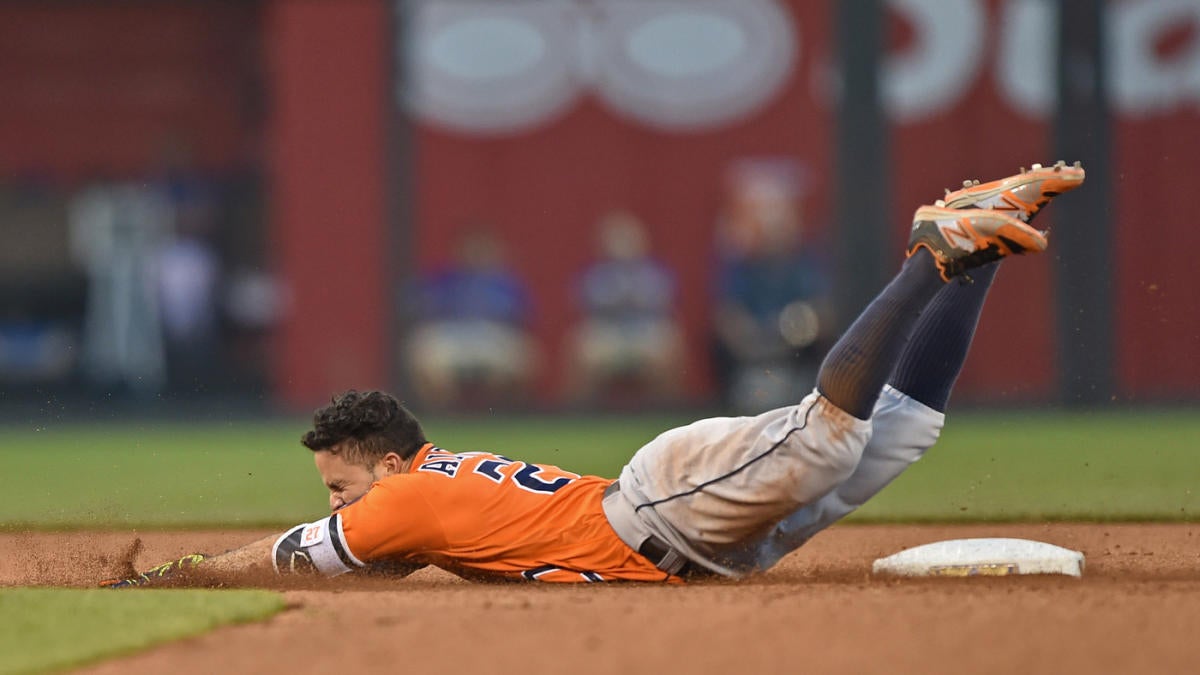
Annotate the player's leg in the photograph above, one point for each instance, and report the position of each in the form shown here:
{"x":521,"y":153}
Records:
{"x":852,"y":378}
{"x":709,"y":488}
{"x":930,"y":365}
{"x":864,"y":358}
{"x":907,"y":418}
{"x":706,"y":487}
{"x":933,"y":359}
{"x":860,"y":362}
{"x":909,"y":415}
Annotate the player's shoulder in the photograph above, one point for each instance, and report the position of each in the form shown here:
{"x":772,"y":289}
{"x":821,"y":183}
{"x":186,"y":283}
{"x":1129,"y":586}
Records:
{"x":438,"y":454}
{"x":490,"y":466}
{"x":446,"y":463}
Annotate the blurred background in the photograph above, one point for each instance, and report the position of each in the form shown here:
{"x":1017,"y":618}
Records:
{"x":571,"y":205}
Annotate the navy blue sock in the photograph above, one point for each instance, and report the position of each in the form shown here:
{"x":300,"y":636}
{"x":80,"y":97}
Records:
{"x":930,"y":365}
{"x":858,"y":365}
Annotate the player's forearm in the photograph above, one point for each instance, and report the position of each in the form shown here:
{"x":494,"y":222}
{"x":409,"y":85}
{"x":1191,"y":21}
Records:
{"x":305,"y":549}
{"x":243,"y":565}
{"x":252,"y":559}
{"x":256,"y":559}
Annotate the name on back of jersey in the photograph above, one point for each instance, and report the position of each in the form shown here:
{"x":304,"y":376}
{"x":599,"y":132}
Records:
{"x":497,"y":469}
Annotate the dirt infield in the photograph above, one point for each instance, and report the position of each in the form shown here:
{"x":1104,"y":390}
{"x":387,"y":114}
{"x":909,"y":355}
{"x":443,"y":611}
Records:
{"x":820,"y":611}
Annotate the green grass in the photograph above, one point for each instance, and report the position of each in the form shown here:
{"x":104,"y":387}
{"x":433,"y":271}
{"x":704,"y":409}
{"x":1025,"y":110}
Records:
{"x":244,"y":474}
{"x":1142,"y":466}
{"x":1007,"y":466}
{"x":51,"y":629}
{"x":157,"y":475}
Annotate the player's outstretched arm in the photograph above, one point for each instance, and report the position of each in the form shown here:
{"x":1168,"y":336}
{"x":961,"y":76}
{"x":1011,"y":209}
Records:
{"x":239,"y":566}
{"x":273,"y":555}
{"x":301,"y":550}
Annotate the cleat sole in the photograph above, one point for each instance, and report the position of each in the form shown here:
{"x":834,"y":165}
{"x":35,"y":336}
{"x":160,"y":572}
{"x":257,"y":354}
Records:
{"x":1056,"y":180}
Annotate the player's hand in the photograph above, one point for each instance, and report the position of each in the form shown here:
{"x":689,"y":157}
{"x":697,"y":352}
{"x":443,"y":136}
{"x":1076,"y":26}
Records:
{"x":156,"y":574}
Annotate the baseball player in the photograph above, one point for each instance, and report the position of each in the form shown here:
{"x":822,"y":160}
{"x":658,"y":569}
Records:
{"x":722,"y":496}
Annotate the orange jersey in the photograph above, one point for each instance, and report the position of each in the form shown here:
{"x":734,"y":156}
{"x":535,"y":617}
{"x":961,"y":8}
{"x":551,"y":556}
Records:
{"x":482,"y":515}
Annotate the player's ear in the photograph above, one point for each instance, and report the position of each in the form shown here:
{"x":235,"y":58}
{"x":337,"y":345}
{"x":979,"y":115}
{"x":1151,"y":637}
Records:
{"x":392,"y":463}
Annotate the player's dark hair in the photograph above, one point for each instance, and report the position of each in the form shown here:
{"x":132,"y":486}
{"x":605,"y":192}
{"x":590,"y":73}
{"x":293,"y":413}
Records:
{"x":375,"y":421}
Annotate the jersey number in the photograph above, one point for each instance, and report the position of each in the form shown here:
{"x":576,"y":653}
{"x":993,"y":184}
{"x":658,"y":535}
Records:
{"x":526,"y":477}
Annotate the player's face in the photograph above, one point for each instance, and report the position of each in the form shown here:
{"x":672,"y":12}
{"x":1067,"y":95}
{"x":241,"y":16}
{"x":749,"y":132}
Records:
{"x":347,"y":480}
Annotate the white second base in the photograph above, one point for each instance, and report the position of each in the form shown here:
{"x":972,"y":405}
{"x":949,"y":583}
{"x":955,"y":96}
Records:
{"x":981,"y":557}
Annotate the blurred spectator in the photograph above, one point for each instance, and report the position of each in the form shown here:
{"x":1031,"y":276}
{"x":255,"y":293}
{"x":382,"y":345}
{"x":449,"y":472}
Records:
{"x":117,"y":232}
{"x":771,"y":292}
{"x":188,"y":267}
{"x":154,"y":275}
{"x":189,"y":273}
{"x":627,"y":344}
{"x":470,"y":345}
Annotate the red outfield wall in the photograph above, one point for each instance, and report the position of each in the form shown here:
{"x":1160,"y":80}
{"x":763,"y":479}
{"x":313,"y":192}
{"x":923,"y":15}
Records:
{"x":328,"y":78}
{"x":76,"y":101}
{"x":545,"y":188}
{"x":968,"y":102}
{"x":1002,"y":117}
{"x":105,"y":87}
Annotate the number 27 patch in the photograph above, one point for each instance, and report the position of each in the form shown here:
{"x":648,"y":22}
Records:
{"x":313,"y":534}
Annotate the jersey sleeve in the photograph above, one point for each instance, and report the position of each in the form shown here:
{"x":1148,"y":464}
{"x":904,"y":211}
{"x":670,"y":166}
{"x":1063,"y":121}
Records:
{"x":394,"y":519}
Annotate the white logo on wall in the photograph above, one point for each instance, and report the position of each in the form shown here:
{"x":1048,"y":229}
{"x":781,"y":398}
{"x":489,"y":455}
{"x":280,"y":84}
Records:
{"x":500,"y":66}
{"x":950,"y":51}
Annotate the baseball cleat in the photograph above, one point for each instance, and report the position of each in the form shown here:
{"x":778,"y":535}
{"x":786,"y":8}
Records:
{"x":1021,"y":195}
{"x":962,"y":239}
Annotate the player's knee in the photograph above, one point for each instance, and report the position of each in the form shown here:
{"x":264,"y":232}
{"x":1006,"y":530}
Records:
{"x":903,"y":428}
{"x":828,"y":465}
{"x":845,"y":460}
{"x":835,"y":439}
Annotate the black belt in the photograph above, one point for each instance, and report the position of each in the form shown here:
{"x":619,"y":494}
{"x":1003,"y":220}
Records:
{"x":658,"y":551}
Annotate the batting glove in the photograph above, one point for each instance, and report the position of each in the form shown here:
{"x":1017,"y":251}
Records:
{"x":156,"y":574}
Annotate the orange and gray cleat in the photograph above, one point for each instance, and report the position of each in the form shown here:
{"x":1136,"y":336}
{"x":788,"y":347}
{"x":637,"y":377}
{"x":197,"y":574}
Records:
{"x":1021,"y":195}
{"x":962,"y":239}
